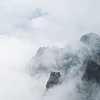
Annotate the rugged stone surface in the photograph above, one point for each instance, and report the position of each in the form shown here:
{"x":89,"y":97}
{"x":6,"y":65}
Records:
{"x":58,"y":59}
{"x":92,"y":68}
{"x":53,"y":80}
{"x":92,"y":40}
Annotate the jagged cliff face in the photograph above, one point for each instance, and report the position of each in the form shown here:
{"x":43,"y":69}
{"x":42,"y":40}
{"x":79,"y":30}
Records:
{"x":48,"y":59}
{"x":91,"y":64}
{"x":53,"y":80}
{"x":92,"y":68}
{"x":62,"y":59}
{"x":79,"y":70}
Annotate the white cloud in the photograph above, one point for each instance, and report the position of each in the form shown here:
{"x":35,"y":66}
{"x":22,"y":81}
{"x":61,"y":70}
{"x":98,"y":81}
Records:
{"x":65,"y":19}
{"x":23,"y":30}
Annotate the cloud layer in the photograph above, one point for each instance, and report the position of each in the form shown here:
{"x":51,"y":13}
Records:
{"x":26,"y":25}
{"x":49,"y":21}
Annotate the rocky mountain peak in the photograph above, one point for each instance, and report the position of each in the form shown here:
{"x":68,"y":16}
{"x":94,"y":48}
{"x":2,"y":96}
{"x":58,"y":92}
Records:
{"x":92,"y":70}
{"x":91,"y":37}
{"x":53,"y":80}
{"x":92,"y":40}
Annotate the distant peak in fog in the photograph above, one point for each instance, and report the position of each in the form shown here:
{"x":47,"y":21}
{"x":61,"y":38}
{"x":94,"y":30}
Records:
{"x":92,"y":40}
{"x":91,"y":37}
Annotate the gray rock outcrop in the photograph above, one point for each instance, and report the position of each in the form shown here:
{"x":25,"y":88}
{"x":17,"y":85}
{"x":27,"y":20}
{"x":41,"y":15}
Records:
{"x":53,"y":80}
{"x":92,"y":68}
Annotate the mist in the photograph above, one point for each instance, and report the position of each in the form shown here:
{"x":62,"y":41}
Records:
{"x":56,"y":25}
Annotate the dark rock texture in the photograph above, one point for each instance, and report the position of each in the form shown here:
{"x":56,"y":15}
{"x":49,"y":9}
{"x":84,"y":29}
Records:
{"x":53,"y":80}
{"x":92,"y":68}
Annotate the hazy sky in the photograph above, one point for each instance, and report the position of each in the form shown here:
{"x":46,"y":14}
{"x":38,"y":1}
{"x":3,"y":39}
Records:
{"x":26,"y":25}
{"x":49,"y":21}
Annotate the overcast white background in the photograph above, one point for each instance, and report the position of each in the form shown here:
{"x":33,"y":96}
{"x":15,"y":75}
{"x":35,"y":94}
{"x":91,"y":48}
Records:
{"x":49,"y":21}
